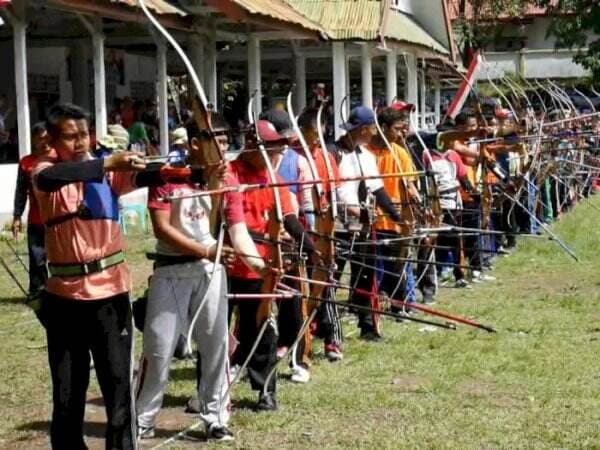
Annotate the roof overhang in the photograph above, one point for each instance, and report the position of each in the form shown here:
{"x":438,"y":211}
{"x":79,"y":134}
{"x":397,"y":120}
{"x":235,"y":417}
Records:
{"x":270,"y":15}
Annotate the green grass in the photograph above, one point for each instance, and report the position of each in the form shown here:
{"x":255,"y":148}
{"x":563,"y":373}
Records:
{"x":534,"y":384}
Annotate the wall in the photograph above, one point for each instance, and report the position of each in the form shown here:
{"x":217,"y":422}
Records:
{"x":533,"y":64}
{"x":8,"y":180}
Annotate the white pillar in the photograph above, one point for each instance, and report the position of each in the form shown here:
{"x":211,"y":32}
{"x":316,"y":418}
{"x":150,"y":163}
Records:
{"x":412,"y":83}
{"x":99,"y":81}
{"x":21,"y":84}
{"x":196,"y":52}
{"x":95,"y":28}
{"x":366,"y":65}
{"x":437,"y":101}
{"x":300,"y":69}
{"x":254,"y":72}
{"x":423,"y":107}
{"x":163,"y":99}
{"x":210,"y":69}
{"x":391,"y":78}
{"x":339,"y":83}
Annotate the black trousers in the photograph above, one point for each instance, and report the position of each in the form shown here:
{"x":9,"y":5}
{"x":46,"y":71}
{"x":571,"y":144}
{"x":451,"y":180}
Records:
{"x":451,"y":239}
{"x":252,"y":314}
{"x":471,"y":218}
{"x":291,"y":317}
{"x":75,"y":328}
{"x":393,"y":279}
{"x":362,"y":276}
{"x":36,"y":246}
{"x":426,"y":273}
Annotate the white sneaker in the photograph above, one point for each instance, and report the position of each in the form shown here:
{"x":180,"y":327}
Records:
{"x":145,"y":432}
{"x":300,"y":374}
{"x":233,"y":370}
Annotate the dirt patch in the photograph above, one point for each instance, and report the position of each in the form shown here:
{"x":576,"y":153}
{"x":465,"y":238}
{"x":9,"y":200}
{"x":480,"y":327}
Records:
{"x":410,"y":383}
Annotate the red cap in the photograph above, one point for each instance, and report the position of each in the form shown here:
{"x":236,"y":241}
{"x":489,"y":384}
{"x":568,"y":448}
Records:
{"x":267,"y":131}
{"x":502,"y":113}
{"x":402,"y":106}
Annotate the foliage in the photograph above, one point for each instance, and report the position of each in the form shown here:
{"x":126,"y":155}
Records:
{"x":572,"y":21}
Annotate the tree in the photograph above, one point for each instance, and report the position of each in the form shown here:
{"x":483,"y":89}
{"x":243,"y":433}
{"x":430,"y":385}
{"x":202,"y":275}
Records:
{"x":572,"y":23}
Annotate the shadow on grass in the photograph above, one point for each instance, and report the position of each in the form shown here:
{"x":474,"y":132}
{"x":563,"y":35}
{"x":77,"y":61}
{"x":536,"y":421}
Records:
{"x":12,"y":300}
{"x":90,"y":429}
{"x":183,"y":373}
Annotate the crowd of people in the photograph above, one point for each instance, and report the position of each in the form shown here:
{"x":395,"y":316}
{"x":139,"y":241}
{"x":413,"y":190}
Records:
{"x":251,"y":247}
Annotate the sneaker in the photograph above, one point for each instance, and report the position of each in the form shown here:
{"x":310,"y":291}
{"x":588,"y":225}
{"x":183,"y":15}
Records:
{"x":281,"y":351}
{"x":333,"y":352}
{"x":267,"y":402}
{"x":429,"y":299}
{"x":233,"y":370}
{"x":486,"y":277}
{"x":445,"y":274}
{"x":476,"y":277}
{"x":145,"y":432}
{"x":371,"y":336}
{"x":219,"y":433}
{"x":503,"y":251}
{"x":300,"y":375}
{"x":193,"y":406}
{"x":462,"y":284}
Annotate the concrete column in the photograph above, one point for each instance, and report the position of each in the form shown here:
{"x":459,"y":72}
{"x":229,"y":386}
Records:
{"x":80,"y":53}
{"x":366,"y":65}
{"x":339,"y":83}
{"x":423,"y":98}
{"x":391,"y":78}
{"x":254,"y":72}
{"x":437,"y":101}
{"x":99,"y":85}
{"x":412,"y":83}
{"x":163,"y":98}
{"x":300,"y":70}
{"x":21,"y":83}
{"x":210,"y":69}
{"x":195,"y":46}
{"x":95,"y":28}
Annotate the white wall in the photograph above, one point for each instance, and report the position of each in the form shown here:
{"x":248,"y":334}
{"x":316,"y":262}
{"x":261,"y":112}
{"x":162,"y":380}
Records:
{"x":430,"y":15}
{"x":536,"y":64}
{"x":8,"y":181}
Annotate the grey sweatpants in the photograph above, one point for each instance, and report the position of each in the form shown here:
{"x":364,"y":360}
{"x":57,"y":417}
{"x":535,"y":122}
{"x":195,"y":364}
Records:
{"x":175,"y":293}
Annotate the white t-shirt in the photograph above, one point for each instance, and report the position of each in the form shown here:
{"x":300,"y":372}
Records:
{"x":191,"y":216}
{"x":357,"y":164}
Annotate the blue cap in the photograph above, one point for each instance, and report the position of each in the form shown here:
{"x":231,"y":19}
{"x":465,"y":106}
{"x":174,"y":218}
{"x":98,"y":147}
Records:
{"x":361,"y":116}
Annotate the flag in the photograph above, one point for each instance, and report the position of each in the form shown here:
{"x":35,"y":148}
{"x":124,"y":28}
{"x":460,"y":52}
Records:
{"x":465,"y":87}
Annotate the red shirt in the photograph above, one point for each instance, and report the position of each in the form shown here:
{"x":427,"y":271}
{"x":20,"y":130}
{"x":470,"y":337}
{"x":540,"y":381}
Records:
{"x":257,"y":206}
{"x":453,"y":157}
{"x":27,"y":164}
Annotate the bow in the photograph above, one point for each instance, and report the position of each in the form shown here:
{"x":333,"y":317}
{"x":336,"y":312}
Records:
{"x":212,"y":155}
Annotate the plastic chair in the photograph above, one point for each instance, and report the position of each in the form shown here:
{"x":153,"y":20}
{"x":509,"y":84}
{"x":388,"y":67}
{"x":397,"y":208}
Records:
{"x":126,"y":211}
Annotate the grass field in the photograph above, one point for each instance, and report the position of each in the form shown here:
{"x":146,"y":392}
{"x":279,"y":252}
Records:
{"x":534,"y":384}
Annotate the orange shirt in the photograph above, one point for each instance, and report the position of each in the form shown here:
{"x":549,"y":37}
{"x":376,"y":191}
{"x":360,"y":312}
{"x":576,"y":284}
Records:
{"x":80,"y":241}
{"x":398,"y":162}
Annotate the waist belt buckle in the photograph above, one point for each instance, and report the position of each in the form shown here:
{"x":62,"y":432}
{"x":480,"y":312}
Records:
{"x":92,"y":267}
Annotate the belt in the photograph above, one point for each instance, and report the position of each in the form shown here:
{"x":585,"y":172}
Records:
{"x":78,"y":270}
{"x":170,"y":260}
